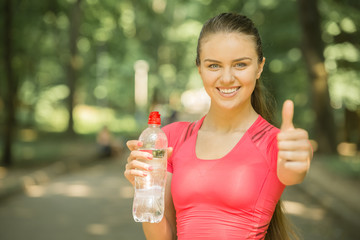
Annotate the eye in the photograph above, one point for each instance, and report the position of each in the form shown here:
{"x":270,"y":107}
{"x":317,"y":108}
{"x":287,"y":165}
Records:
{"x":240,"y":65}
{"x":214,"y":66}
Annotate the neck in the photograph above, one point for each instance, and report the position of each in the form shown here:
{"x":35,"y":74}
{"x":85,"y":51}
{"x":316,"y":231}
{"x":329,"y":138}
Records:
{"x":224,"y":120}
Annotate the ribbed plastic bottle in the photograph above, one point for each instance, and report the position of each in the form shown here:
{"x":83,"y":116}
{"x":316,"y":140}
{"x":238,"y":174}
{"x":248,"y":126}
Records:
{"x":148,"y":204}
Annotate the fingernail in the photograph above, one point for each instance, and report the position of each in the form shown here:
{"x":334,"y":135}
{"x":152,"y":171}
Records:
{"x":139,"y":144}
{"x":149,"y":156}
{"x":144,"y":174}
{"x":150,"y":168}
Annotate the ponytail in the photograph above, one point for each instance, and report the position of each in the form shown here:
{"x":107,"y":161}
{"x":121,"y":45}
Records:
{"x":263,"y":102}
{"x":280,"y":227}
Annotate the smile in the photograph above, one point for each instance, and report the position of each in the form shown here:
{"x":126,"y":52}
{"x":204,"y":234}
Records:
{"x":228,"y":90}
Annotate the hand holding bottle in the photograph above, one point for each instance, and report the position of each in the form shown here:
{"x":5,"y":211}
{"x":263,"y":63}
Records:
{"x":134,"y":167}
{"x":146,"y":171}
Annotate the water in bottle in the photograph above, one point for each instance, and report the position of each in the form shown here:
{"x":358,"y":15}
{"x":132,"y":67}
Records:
{"x":148,"y":205}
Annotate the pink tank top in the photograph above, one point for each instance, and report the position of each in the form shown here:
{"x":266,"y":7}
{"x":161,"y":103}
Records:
{"x":233,"y":197}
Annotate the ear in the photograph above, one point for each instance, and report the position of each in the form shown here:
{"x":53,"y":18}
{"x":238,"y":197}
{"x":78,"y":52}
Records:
{"x":260,"y":68}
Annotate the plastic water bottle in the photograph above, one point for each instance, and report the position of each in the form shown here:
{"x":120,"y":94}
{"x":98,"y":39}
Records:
{"x":148,"y":205}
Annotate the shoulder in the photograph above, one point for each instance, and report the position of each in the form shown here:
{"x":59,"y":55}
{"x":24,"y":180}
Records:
{"x":175,"y":127}
{"x":174,"y":130}
{"x":264,"y":136}
{"x":262,"y":131}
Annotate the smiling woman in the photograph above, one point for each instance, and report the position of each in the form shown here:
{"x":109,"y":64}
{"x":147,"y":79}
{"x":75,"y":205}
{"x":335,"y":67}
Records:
{"x":226,"y":176}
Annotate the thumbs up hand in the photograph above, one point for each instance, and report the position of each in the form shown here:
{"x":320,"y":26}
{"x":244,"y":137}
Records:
{"x":295,"y":151}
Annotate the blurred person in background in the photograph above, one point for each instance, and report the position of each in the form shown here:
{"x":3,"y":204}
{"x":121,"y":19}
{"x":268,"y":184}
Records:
{"x":108,"y":146}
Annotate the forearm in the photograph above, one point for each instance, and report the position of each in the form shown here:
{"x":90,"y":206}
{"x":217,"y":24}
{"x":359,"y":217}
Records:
{"x":158,"y":231}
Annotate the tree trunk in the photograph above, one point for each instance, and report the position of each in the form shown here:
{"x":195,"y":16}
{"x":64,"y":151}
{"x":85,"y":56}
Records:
{"x":74,"y":63}
{"x":10,"y":94}
{"x":352,"y":126}
{"x":313,"y":48}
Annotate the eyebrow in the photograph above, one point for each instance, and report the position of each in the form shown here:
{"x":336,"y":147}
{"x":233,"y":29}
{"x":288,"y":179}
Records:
{"x":235,"y":60}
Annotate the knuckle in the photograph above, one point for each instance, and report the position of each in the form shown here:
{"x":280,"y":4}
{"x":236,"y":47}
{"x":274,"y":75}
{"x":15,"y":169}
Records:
{"x":280,"y":136}
{"x":133,"y":154}
{"x":305,"y":155}
{"x":131,"y":144}
{"x":127,"y":166}
{"x":306,"y":145}
{"x":303,"y":133}
{"x":282,"y":154}
{"x":128,"y":144}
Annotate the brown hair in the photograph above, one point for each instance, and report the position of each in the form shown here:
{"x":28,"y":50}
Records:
{"x":262,"y":102}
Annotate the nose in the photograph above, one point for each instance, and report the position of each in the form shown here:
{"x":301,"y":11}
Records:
{"x":227,"y":76}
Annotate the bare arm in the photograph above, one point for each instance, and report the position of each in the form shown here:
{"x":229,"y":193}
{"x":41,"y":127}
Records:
{"x":166,"y":228}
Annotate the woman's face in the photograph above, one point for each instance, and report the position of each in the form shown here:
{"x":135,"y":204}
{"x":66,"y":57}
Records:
{"x":229,"y":68}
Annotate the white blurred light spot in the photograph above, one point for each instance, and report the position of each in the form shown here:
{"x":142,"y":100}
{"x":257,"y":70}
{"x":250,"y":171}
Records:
{"x":77,"y":191}
{"x":127,"y":192}
{"x":35,"y":191}
{"x":347,"y":149}
{"x":299,"y":209}
{"x":97,"y":229}
{"x":195,"y":101}
{"x":141,"y":68}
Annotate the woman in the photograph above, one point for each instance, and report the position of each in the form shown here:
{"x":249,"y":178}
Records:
{"x":225,"y":179}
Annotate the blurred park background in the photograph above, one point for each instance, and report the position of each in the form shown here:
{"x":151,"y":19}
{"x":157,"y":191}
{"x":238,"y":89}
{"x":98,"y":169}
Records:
{"x":71,"y":69}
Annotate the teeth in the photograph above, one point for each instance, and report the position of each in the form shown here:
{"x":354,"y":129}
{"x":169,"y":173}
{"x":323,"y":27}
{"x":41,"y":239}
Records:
{"x":229,"y":90}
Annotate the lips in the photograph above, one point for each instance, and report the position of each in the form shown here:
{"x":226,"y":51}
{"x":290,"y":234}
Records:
{"x":228,"y":92}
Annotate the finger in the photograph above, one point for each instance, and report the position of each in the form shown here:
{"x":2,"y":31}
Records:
{"x":138,"y":165}
{"x":293,"y":134}
{"x":299,"y":166}
{"x":301,"y":156}
{"x":293,"y":145}
{"x":129,"y":174}
{"x":140,"y":155}
{"x":287,"y":115}
{"x":133,"y":144}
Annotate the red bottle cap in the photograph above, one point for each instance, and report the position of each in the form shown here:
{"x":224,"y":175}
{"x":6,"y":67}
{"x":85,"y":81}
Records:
{"x":154,"y":118}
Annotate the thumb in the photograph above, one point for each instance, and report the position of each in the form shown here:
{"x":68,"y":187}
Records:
{"x":287,"y":115}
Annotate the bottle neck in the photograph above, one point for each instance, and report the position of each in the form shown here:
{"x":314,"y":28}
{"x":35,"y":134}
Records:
{"x":154,"y":125}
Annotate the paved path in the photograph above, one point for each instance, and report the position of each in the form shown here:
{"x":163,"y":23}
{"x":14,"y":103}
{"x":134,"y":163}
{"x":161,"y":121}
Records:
{"x":95,"y":203}
{"x":313,"y":221}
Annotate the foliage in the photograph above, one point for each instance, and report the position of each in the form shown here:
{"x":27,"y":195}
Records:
{"x":115,"y":34}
